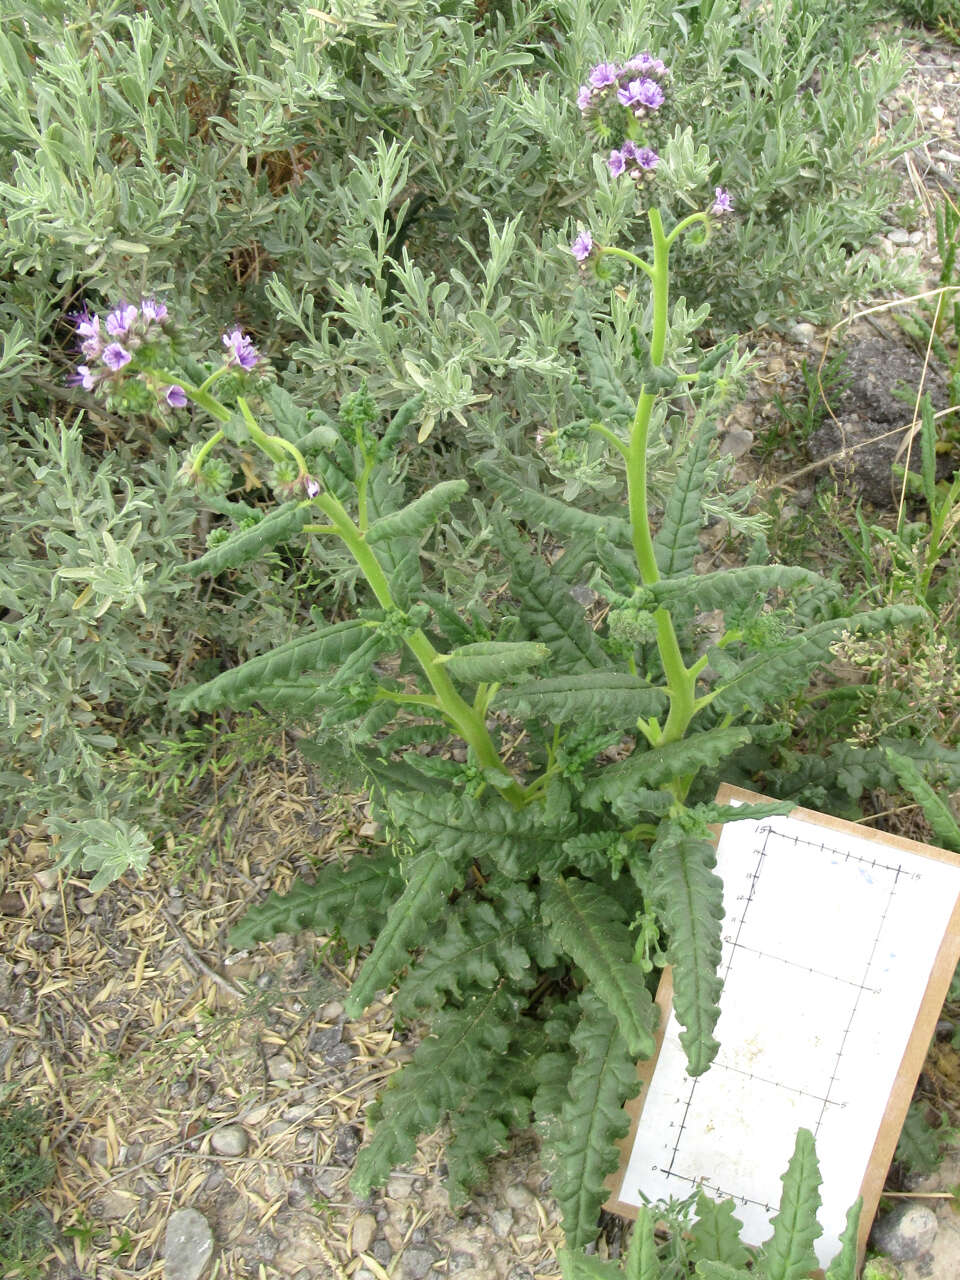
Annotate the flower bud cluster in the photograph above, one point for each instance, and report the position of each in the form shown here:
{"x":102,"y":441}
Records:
{"x":621,"y":100}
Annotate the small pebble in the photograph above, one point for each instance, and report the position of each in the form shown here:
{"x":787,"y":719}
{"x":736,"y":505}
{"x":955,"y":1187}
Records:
{"x":381,"y":1250}
{"x":279,"y":1067}
{"x":502,"y":1222}
{"x":364,"y":1229}
{"x":174,"y":907}
{"x":49,"y":900}
{"x":898,"y":236}
{"x":737,"y":442}
{"x":418,"y":1262}
{"x":518,"y":1196}
{"x":331,"y":1011}
{"x":278,"y":1127}
{"x":187,"y":1245}
{"x":231,"y":1140}
{"x":803,"y":332}
{"x":47,"y":878}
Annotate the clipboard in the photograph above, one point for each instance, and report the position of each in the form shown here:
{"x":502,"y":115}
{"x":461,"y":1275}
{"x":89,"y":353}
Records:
{"x":839,"y":945}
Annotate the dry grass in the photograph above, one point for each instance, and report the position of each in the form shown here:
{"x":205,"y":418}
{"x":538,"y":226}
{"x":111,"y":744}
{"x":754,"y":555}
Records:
{"x":126,"y":1017}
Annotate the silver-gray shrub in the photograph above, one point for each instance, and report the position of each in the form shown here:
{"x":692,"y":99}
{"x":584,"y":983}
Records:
{"x":258,"y":156}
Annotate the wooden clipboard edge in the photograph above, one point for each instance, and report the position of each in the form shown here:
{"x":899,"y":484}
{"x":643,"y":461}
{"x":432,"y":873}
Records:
{"x":914,"y":1056}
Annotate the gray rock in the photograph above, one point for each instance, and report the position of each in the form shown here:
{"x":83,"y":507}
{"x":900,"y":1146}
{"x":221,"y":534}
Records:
{"x":518,"y":1197}
{"x":279,"y":1067}
{"x":906,"y":1233}
{"x":460,"y":1262}
{"x":347,"y":1143}
{"x":268,"y":1246}
{"x":803,"y":332}
{"x":339,"y":1055}
{"x":187,"y":1246}
{"x":502,"y":1222}
{"x":418,"y":1262}
{"x":231,"y":1140}
{"x":898,"y":236}
{"x":381,"y":1250}
{"x":324,"y":1040}
{"x":364,"y":1229}
{"x":737,"y":442}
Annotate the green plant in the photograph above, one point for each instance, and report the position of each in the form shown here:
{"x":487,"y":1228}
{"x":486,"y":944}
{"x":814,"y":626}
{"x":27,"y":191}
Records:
{"x":934,"y":324}
{"x":527,"y":885}
{"x":939,"y":15}
{"x":712,"y":1245}
{"x":25,"y":1169}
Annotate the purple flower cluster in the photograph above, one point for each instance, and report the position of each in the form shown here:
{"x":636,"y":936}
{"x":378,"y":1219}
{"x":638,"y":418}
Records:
{"x":108,"y":345}
{"x":633,"y":160}
{"x":637,"y":85}
{"x":621,"y":98}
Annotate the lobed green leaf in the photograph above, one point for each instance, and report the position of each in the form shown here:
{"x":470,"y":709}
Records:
{"x":655,"y":766}
{"x":789,"y":1253}
{"x":581,"y":1142}
{"x":493,"y":660}
{"x":431,"y":879}
{"x":466,"y":1046}
{"x":677,"y":541}
{"x":313,"y":651}
{"x":606,"y":698}
{"x":419,"y":516}
{"x":547,"y":610}
{"x":351,"y":900}
{"x":689,"y":899}
{"x":716,"y":1232}
{"x":247,"y":544}
{"x":588,"y":924}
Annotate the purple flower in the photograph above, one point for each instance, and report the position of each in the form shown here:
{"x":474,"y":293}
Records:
{"x":175,"y":396}
{"x":722,"y":202}
{"x":646,"y":64}
{"x":603,"y":74}
{"x":88,"y":328}
{"x":115,"y":356}
{"x":641,"y":93}
{"x":88,"y":324}
{"x":153,"y":311}
{"x":82,"y":378}
{"x":584,"y":98}
{"x":582,"y":247}
{"x":120,"y":319}
{"x":616,"y":163}
{"x":242,"y":350}
{"x":648,"y":94}
{"x":312,"y":486}
{"x":646,"y":158}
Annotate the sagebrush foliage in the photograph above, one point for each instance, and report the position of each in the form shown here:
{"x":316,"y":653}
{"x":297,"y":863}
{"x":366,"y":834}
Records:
{"x":511,"y":909}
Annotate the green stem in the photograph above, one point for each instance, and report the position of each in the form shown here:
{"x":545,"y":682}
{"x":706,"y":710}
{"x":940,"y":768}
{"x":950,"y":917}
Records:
{"x":464,"y":718}
{"x":273,"y":446}
{"x":214,"y":439}
{"x":681,"y":681}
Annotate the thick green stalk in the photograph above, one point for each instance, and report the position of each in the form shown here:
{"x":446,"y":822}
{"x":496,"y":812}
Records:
{"x":464,"y":718}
